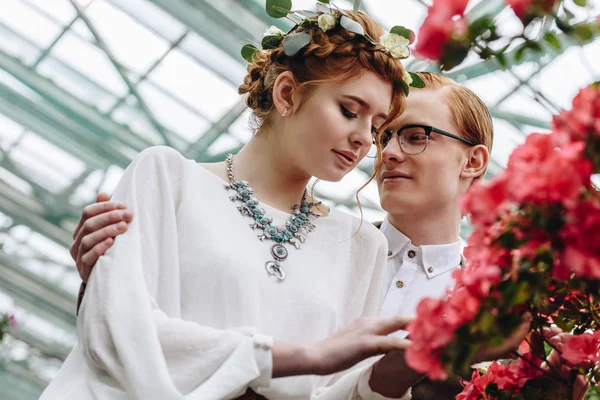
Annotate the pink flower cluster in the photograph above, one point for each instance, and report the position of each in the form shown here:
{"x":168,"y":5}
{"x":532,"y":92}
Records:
{"x":582,"y":349}
{"x":507,"y":377}
{"x":444,"y":22}
{"x":542,"y":204}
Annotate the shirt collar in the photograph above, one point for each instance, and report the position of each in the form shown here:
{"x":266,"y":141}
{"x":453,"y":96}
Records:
{"x":434,"y":259}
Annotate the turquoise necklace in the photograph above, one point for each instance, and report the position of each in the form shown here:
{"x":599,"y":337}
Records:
{"x":294,"y":232}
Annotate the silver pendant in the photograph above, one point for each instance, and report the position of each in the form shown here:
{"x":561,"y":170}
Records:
{"x":274,"y":269}
{"x":279,"y":252}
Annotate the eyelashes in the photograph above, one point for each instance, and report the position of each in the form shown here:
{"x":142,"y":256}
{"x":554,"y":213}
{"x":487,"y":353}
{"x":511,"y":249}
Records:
{"x":350,"y":115}
{"x":347,"y":113}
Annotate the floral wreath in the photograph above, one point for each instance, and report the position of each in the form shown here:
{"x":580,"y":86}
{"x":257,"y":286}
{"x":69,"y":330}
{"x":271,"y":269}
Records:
{"x":328,"y":16}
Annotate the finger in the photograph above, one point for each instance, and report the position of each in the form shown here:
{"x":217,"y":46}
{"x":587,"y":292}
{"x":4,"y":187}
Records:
{"x":93,"y":224}
{"x":581,"y":387}
{"x":537,"y":343}
{"x":95,"y":209}
{"x":385,"y":344}
{"x":99,"y":221}
{"x":392,"y":323}
{"x":89,"y":259}
{"x":551,"y":331}
{"x":92,"y":239}
{"x":102,"y":196}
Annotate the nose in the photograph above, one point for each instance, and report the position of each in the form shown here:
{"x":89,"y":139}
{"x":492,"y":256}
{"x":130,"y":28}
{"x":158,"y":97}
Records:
{"x":362,"y":136}
{"x":393,"y":152}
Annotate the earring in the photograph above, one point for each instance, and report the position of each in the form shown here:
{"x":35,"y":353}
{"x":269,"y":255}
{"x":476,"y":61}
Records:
{"x":284,"y":113}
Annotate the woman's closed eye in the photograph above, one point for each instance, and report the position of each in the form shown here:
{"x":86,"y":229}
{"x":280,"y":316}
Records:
{"x":347,"y":113}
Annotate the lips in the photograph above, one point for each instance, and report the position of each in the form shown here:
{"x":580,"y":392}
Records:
{"x":394,"y":175}
{"x":346,"y":155}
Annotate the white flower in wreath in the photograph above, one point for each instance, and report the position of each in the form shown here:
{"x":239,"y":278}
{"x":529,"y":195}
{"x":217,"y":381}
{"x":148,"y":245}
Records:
{"x":327,"y":21}
{"x":395,"y":44}
{"x":407,"y":78}
{"x":274,"y":31}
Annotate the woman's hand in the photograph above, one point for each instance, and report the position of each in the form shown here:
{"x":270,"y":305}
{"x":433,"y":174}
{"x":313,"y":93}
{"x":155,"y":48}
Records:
{"x":100,"y":223}
{"x":362,"y":339}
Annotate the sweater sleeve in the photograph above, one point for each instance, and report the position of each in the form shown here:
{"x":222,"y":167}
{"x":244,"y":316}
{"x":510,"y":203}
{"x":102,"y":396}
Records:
{"x":123,"y":330}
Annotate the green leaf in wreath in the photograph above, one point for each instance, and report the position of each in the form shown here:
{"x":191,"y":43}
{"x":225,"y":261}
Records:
{"x":404,"y":87}
{"x":323,"y":1}
{"x":417,"y":82}
{"x":271,"y":42}
{"x":295,"y":42}
{"x":323,"y":8}
{"x":248,"y":52}
{"x":351,"y":25}
{"x":278,"y":8}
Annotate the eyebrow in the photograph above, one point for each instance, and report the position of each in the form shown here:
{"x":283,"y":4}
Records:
{"x":363,"y":104}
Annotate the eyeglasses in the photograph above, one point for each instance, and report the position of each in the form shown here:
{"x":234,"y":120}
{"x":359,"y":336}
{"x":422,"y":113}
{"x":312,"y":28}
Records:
{"x":413,"y":139}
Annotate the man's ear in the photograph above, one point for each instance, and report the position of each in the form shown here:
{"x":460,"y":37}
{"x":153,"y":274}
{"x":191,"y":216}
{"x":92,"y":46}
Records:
{"x":478,"y":159}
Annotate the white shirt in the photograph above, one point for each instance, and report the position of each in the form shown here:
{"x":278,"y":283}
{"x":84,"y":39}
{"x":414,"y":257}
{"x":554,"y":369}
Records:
{"x":415,"y":272}
{"x":181,"y":306}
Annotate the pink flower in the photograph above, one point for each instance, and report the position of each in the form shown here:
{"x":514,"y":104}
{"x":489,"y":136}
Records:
{"x":484,"y":199}
{"x":430,"y":319}
{"x":582,"y":349}
{"x":477,"y":279}
{"x":463,"y":306}
{"x":424,"y":360}
{"x":582,"y":239}
{"x":439,"y":27}
{"x":541,"y":173}
{"x":475,"y":388}
{"x":528,"y":9}
{"x":528,"y":367}
{"x":520,"y":7}
{"x":582,"y":121}
{"x":430,"y":332}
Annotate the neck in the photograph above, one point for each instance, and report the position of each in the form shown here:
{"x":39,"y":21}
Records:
{"x":269,"y":172}
{"x":442,"y":227}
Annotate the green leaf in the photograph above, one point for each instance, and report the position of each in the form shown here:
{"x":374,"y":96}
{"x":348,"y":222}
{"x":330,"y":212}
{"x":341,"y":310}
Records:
{"x":584,"y":33}
{"x":356,"y":6}
{"x":295,"y":42}
{"x":501,"y":59}
{"x":248,"y":52}
{"x":580,"y":3}
{"x":271,"y":42}
{"x":278,"y":8}
{"x":552,"y":40}
{"x":306,"y":13}
{"x":405,"y":32}
{"x":417,"y":82}
{"x":323,"y":1}
{"x":351,"y":25}
{"x":520,"y":52}
{"x":404,"y":87}
{"x":480,"y":25}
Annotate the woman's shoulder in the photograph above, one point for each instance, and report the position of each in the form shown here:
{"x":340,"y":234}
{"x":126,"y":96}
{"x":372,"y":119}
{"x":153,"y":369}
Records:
{"x":164,"y":154}
{"x":363,"y":232}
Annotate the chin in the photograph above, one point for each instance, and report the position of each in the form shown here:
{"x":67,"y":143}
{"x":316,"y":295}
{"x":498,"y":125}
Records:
{"x":331,"y":175}
{"x":394,"y":204}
